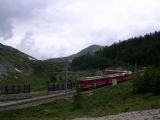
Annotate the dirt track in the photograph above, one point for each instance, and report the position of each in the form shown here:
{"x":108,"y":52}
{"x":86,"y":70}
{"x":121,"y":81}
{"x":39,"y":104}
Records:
{"x":153,"y":114}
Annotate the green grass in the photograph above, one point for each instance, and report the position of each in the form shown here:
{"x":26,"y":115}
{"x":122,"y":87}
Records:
{"x":39,"y":93}
{"x":100,"y":102}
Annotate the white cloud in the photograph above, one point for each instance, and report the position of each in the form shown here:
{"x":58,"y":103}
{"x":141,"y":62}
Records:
{"x":63,"y":27}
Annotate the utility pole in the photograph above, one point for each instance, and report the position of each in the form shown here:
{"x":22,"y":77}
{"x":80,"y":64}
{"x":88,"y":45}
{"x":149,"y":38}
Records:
{"x":66,"y":70}
{"x":135,"y":68}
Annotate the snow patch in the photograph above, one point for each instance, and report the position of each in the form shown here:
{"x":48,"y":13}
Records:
{"x":18,"y":70}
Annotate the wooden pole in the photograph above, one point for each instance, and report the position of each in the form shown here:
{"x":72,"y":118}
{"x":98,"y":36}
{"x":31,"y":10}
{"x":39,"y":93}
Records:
{"x":66,"y":70}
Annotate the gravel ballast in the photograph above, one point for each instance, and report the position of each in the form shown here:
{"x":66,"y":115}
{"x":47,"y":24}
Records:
{"x":153,"y":114}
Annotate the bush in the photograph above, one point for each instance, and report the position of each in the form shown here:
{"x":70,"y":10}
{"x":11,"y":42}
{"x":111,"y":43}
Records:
{"x":78,"y":100}
{"x":146,"y":82}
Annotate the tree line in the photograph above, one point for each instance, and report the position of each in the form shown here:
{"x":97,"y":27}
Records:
{"x":142,"y":51}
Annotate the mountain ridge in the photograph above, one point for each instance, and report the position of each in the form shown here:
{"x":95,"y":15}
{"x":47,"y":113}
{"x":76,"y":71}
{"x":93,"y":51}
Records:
{"x":90,"y":49}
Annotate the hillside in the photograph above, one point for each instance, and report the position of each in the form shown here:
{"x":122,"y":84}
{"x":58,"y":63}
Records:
{"x":12,"y":60}
{"x":19,"y":68}
{"x":140,"y":51}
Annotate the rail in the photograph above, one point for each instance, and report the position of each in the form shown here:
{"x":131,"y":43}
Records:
{"x":34,"y":101}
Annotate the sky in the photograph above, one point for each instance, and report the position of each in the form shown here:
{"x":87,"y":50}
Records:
{"x":57,"y":28}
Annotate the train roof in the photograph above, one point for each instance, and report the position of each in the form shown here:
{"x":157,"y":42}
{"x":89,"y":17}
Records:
{"x":100,"y":77}
{"x":106,"y":76}
{"x":117,"y":71}
{"x":91,"y":78}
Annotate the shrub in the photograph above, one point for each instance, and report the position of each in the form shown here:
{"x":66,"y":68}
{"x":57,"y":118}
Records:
{"x":78,"y":100}
{"x":146,"y":82}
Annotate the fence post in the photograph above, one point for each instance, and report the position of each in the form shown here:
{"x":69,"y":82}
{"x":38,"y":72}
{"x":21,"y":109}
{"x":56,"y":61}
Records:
{"x":13,"y":89}
{"x":0,"y":90}
{"x":29,"y":88}
{"x":53,"y":87}
{"x":23,"y":88}
{"x":19,"y":89}
{"x":58,"y":85}
{"x":6,"y":89}
{"x":48,"y":87}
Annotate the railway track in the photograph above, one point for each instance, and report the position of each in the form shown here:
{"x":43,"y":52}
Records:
{"x":34,"y":101}
{"x":39,"y":100}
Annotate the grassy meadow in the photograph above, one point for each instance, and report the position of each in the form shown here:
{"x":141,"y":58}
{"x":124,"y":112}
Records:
{"x":98,"y":102}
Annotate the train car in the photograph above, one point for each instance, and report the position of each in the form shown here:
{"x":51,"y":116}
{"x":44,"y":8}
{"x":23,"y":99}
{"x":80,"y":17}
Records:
{"x":92,"y":82}
{"x":102,"y":81}
{"x":99,"y":81}
{"x":86,"y":82}
{"x":127,"y":75}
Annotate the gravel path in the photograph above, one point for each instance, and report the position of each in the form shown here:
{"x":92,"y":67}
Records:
{"x":153,"y":114}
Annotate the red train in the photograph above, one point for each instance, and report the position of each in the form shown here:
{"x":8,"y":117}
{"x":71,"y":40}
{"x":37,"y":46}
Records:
{"x":99,"y":81}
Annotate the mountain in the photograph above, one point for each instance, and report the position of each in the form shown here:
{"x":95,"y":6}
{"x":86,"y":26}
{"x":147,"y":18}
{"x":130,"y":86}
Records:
{"x":91,"y":50}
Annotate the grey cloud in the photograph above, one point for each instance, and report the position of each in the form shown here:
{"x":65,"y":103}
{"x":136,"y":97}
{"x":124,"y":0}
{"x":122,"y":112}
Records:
{"x":27,"y":45}
{"x":63,"y":27}
{"x":5,"y":29}
{"x":28,"y":41}
{"x":11,"y":10}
